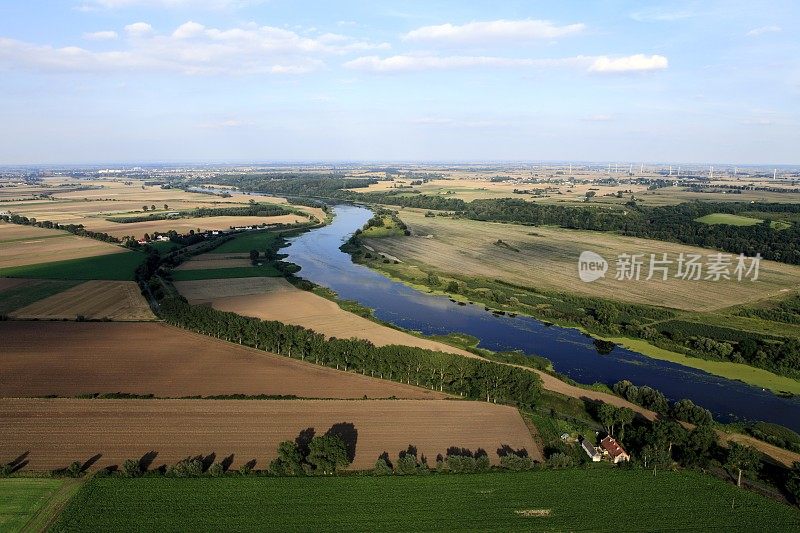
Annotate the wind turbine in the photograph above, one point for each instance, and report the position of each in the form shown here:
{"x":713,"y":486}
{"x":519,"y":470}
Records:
{"x":711,"y":173}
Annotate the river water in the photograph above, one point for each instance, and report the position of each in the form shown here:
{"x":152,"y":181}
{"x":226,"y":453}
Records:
{"x":572,"y":353}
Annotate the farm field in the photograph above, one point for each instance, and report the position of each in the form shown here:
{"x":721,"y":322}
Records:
{"x":544,"y":500}
{"x":214,"y":272}
{"x":114,"y":266}
{"x":215,"y":261}
{"x":28,"y":245}
{"x":92,"y":207}
{"x":244,"y":242}
{"x":74,"y":358}
{"x":94,"y":300}
{"x":16,"y":293}
{"x":22,"y":498}
{"x":547,"y":258}
{"x":277,"y":299}
{"x":57,"y":432}
{"x":727,"y":218}
{"x":184,"y":225}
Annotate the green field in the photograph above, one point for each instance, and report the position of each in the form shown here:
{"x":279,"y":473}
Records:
{"x":725,"y":218}
{"x":18,"y":297}
{"x":264,"y":271}
{"x":245,"y":242}
{"x":117,"y":266}
{"x":595,"y":499}
{"x":22,"y":498}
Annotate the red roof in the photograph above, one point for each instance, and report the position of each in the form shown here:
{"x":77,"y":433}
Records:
{"x":612,"y":447}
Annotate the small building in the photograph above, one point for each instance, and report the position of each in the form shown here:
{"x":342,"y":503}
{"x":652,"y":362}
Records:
{"x":615,"y":452}
{"x":591,"y":451}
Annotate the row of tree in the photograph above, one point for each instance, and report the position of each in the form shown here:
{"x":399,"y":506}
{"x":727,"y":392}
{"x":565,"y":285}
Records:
{"x":75,"y":229}
{"x":470,"y":378}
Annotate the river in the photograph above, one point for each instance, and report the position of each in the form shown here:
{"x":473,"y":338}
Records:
{"x":572,"y":352}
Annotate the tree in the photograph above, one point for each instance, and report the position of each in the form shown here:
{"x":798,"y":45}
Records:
{"x":327,"y":454}
{"x":382,"y":467}
{"x":254,"y":256}
{"x":153,"y":207}
{"x":166,"y":207}
{"x":607,"y":415}
{"x":291,"y":457}
{"x":144,"y":208}
{"x":793,"y":481}
{"x":625,"y":417}
{"x":132,"y":468}
{"x":452,"y":286}
{"x":742,"y":458}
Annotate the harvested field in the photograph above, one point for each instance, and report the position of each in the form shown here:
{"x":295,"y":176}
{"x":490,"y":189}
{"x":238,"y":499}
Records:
{"x":214,"y":261}
{"x":56,"y":432}
{"x":277,"y":299}
{"x":73,"y":358}
{"x":547,"y":258}
{"x":24,"y":292}
{"x":94,"y":300}
{"x":28,"y":245}
{"x":184,"y":225}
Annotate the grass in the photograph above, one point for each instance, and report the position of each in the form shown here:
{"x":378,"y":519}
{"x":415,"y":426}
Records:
{"x":593,"y":499}
{"x":726,"y":369}
{"x":247,"y":241}
{"x":117,"y":266}
{"x":726,"y":218}
{"x":264,"y":271}
{"x":22,"y":498}
{"x":389,"y":229}
{"x":19,"y":297}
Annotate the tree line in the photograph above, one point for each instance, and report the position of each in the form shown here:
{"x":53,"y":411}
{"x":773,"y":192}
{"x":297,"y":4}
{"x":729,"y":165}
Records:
{"x":75,"y":229}
{"x":470,"y":378}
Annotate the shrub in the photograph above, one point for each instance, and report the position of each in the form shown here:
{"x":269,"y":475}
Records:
{"x":515,"y":463}
{"x":186,"y":468}
{"x":216,"y":470}
{"x":382,"y":468}
{"x":131,"y":468}
{"x":559,"y":460}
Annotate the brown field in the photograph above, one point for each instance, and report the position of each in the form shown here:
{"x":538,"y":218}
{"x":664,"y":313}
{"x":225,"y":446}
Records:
{"x":547,"y":257}
{"x":215,"y":260}
{"x":55,"y":432}
{"x":73,"y":358}
{"x":28,"y":245}
{"x":95,"y":300}
{"x":10,"y":283}
{"x":92,"y":207}
{"x":184,"y":225}
{"x":277,"y":299}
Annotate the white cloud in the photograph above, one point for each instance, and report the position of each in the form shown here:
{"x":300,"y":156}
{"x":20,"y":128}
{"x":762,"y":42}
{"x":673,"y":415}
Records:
{"x":407,"y":63}
{"x":755,"y":32}
{"x":634,"y":63}
{"x":410,"y":63}
{"x":106,"y":35}
{"x":492,"y":31}
{"x":138,"y":28}
{"x":191,"y":49}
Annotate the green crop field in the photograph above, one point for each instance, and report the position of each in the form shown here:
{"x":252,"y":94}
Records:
{"x":595,"y":499}
{"x":245,"y":242}
{"x":725,"y":218}
{"x":117,"y":266}
{"x":18,"y":297}
{"x":264,"y":271}
{"x":22,"y":498}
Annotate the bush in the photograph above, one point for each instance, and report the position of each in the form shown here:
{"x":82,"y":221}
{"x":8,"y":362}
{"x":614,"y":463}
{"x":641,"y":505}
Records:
{"x":131,"y":468}
{"x":382,"y":468}
{"x":216,"y":470}
{"x":515,"y":463}
{"x":186,"y":468}
{"x":560,"y":460}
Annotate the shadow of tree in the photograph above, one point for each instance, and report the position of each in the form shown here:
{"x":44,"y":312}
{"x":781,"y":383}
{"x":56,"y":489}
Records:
{"x":349,"y":434}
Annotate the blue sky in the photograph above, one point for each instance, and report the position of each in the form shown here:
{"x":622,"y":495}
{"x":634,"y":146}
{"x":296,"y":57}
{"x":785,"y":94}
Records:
{"x":85,"y":81}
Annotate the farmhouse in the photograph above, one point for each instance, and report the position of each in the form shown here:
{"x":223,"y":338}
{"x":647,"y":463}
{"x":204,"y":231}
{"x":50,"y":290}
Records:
{"x":591,"y":451}
{"x":612,"y":449}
